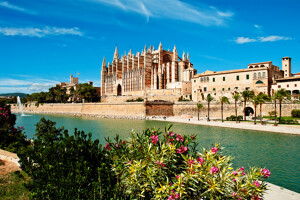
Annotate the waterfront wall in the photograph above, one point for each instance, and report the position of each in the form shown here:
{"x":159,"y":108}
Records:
{"x":141,"y":110}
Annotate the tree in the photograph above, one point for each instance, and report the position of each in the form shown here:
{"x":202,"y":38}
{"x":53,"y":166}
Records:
{"x":275,"y":97}
{"x":208,"y":99}
{"x":223,"y":100}
{"x":246,"y":94}
{"x":87,"y":92}
{"x":236,"y":97}
{"x":262,"y":99}
{"x":282,"y":94}
{"x":199,"y":107}
{"x":255,"y":101}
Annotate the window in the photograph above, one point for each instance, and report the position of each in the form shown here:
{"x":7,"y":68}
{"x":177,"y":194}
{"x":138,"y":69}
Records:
{"x":259,"y":75}
{"x":247,"y":76}
{"x":254,"y":75}
{"x":285,"y":64}
{"x":204,"y":89}
{"x":201,"y":79}
{"x":237,"y":78}
{"x":236,"y":88}
{"x":279,"y":86}
{"x":195,"y":91}
{"x":214,"y":79}
{"x":214,"y":89}
{"x":247,"y":88}
{"x":194,"y":81}
{"x":287,"y":85}
{"x":295,"y":85}
{"x":285,"y":74}
{"x":264,"y":74}
{"x":223,"y":78}
{"x":285,"y":70}
{"x":207,"y":78}
{"x":229,"y":89}
{"x":223,"y":89}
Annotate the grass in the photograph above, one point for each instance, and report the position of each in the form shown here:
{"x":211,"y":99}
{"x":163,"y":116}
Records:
{"x":283,"y":117}
{"x":12,"y":186}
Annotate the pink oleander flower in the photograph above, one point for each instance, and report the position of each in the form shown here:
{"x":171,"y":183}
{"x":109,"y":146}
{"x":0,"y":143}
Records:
{"x":21,"y":127}
{"x":107,"y":146}
{"x":154,"y":139}
{"x":256,"y":183}
{"x":234,"y":180}
{"x":243,"y":173}
{"x":214,"y":170}
{"x":171,"y":134}
{"x":171,"y":184}
{"x":193,"y":137}
{"x":163,"y":165}
{"x":179,"y":138}
{"x":233,"y":194}
{"x":242,"y":169}
{"x":177,"y":177}
{"x":200,"y":160}
{"x":124,"y":142}
{"x":191,"y":162}
{"x":116,"y":145}
{"x":129,"y":163}
{"x":214,"y":149}
{"x":234,"y":173}
{"x":266,"y":173}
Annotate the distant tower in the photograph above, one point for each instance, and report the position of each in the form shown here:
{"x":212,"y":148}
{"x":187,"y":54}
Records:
{"x":116,"y":54}
{"x":103,"y":73}
{"x":286,"y":66}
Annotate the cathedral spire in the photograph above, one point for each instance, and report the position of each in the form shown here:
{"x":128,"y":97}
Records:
{"x":183,"y":56}
{"x":175,"y":55}
{"x":116,"y":54}
{"x":103,"y":64}
{"x":160,"y":46}
{"x":188,"y":56}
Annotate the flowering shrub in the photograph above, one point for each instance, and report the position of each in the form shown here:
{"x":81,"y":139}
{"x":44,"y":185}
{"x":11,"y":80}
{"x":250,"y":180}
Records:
{"x":11,"y":137}
{"x":153,"y":165}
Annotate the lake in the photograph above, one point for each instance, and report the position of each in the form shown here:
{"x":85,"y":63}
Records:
{"x":278,"y":152}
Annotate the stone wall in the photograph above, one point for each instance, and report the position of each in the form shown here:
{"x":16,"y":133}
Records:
{"x":141,"y":109}
{"x":159,"y":109}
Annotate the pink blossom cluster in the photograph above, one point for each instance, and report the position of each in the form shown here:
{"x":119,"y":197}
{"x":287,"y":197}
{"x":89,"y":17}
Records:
{"x":214,"y":149}
{"x":214,"y":170}
{"x":170,"y":133}
{"x":242,"y":169}
{"x":154,"y":139}
{"x":107,"y":146}
{"x":191,"y":162}
{"x":182,"y":149}
{"x":266,"y":173}
{"x":4,"y":113}
{"x":173,"y":196}
{"x":256,"y":183}
{"x":200,"y":160}
{"x":161,"y":164}
{"x":179,"y":138}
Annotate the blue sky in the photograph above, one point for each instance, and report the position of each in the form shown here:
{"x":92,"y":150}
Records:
{"x":43,"y":41}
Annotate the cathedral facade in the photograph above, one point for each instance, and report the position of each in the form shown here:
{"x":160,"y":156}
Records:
{"x":152,"y":72}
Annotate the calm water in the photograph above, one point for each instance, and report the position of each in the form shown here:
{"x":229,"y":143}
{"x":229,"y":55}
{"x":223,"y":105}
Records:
{"x":278,"y":152}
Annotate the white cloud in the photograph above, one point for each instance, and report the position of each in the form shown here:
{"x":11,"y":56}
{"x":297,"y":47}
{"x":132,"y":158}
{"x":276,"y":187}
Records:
{"x":272,"y":38}
{"x":172,"y":9}
{"x":8,"y":5}
{"x":257,"y":26}
{"x":26,"y":85}
{"x":242,"y":40}
{"x":39,"y":32}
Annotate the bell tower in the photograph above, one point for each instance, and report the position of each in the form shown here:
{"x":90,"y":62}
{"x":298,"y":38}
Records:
{"x":286,"y":66}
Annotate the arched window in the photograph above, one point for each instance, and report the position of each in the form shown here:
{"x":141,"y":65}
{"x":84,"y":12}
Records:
{"x":254,"y":75}
{"x":262,"y":66}
{"x":201,"y":79}
{"x":259,"y":74}
{"x":207,"y":79}
{"x":259,"y":82}
{"x":264,"y":74}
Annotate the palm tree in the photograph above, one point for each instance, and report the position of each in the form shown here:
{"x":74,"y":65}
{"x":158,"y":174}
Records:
{"x":236,"y":97}
{"x":282,"y":94}
{"x":255,"y":101}
{"x":199,"y":107}
{"x":246,"y":94}
{"x":223,"y":100}
{"x":209,"y":99}
{"x":262,"y":99}
{"x":275,"y":97}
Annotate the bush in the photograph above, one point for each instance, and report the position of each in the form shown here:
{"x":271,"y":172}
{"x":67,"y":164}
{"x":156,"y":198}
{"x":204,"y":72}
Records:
{"x":11,"y":138}
{"x":272,"y":113}
{"x":155,"y":166}
{"x":139,"y":99}
{"x":288,"y":121}
{"x":37,"y":104}
{"x":233,"y":118}
{"x":296,"y":113}
{"x":66,"y":167}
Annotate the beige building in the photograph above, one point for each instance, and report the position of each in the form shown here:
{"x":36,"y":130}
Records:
{"x":152,"y":72}
{"x":258,"y":77}
{"x":291,"y":84}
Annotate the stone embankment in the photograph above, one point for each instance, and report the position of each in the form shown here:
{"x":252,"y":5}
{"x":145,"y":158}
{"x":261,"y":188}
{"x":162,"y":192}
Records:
{"x":142,"y":110}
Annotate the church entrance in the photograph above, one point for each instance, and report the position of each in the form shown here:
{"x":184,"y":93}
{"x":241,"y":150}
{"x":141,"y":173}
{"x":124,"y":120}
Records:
{"x":119,"y":90}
